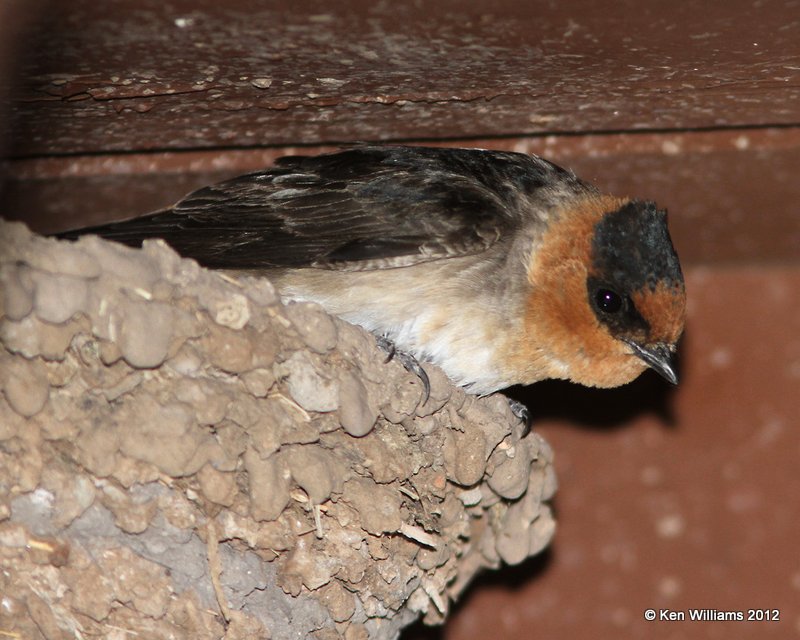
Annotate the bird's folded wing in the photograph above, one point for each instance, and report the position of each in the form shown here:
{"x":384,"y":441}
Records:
{"x":363,"y":208}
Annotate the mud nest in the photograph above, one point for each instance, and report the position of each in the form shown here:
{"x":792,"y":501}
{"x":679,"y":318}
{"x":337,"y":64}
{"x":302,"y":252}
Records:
{"x":182,"y":455}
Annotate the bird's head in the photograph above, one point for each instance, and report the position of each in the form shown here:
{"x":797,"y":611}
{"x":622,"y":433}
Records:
{"x":608,"y":297}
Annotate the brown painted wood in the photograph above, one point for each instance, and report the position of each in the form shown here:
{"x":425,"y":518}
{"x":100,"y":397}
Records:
{"x":130,"y":105}
{"x":144,"y":75}
{"x":731,"y":194}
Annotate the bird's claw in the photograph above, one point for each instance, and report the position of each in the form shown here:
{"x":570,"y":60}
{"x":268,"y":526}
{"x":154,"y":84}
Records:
{"x":409,"y":362}
{"x":521,"y":411}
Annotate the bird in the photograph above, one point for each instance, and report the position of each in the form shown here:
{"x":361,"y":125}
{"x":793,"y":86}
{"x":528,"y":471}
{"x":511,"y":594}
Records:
{"x":502,"y":268}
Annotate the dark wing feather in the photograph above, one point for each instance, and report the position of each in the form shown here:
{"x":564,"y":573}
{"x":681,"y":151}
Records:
{"x":365,"y":207}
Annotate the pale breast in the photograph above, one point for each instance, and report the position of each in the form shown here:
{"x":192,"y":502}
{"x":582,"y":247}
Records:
{"x":426,"y":310}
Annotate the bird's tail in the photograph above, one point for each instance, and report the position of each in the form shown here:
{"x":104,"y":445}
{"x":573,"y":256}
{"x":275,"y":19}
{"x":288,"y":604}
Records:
{"x":130,"y":231}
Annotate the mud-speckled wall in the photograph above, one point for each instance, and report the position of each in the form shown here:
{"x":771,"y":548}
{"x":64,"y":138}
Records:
{"x":671,"y":499}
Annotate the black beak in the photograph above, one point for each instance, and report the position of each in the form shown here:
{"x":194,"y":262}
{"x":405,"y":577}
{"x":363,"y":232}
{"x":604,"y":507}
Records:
{"x":657,"y":357}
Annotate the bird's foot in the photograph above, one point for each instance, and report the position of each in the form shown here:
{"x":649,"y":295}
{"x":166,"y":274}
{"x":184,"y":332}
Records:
{"x":408,"y":361}
{"x":521,"y":411}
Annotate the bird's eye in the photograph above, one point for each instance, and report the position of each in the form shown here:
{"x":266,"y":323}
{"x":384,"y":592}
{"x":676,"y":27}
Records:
{"x":608,"y":301}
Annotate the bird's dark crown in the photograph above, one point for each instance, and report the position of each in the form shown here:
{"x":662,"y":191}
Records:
{"x":632,"y":253}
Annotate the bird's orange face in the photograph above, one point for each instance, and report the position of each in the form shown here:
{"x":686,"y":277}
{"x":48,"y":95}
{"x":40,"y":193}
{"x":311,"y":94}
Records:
{"x":607,"y":298}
